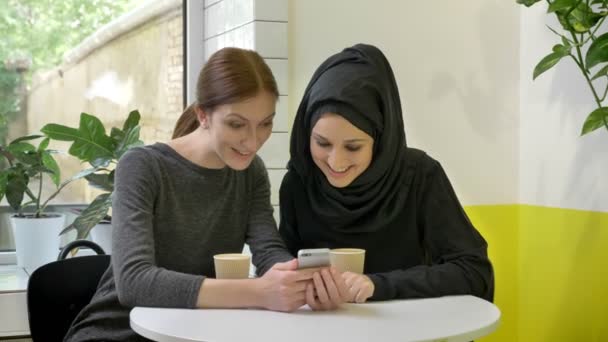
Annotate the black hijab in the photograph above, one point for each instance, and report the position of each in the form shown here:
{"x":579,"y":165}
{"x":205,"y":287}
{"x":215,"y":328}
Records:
{"x":358,"y":84}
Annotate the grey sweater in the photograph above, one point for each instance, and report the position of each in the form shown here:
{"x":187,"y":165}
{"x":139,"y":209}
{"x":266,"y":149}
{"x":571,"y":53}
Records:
{"x":170,"y":216}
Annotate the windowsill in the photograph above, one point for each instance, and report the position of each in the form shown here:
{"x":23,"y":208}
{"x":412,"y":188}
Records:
{"x":13,"y":301}
{"x":8,"y":258}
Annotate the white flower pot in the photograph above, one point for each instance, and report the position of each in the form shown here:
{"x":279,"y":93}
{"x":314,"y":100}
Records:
{"x":102,"y":235}
{"x":37,"y":239}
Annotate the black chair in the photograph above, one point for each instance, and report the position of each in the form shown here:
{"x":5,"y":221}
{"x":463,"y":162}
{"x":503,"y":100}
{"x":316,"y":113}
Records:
{"x":57,"y":291}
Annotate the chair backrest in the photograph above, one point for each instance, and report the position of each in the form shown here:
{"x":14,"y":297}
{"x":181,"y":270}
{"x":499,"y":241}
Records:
{"x":57,"y":291}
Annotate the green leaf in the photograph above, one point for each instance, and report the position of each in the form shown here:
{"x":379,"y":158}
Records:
{"x":603,"y":72}
{"x":44,"y":144}
{"x":29,"y":157}
{"x":131,"y":140}
{"x":3,"y":182}
{"x":547,"y":63}
{"x":82,"y":174}
{"x":527,"y":3}
{"x":595,"y":120}
{"x":579,"y":20}
{"x":101,"y":181}
{"x":36,"y":170}
{"x":90,"y":216}
{"x":117,"y":134}
{"x":566,"y":42}
{"x":49,"y":162}
{"x":101,"y":162}
{"x":15,"y":188}
{"x":598,"y":51}
{"x":27,"y":137}
{"x":559,"y":5}
{"x":132,"y":121}
{"x":89,"y":140}
{"x":20,"y":147}
{"x":564,"y":50}
{"x":60,"y":132}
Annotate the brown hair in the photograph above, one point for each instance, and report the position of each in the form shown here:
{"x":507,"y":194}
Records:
{"x":230,"y":75}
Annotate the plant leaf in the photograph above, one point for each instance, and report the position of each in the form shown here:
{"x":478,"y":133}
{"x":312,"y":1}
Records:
{"x":20,"y":147}
{"x":3,"y":183}
{"x":581,"y":19}
{"x":49,"y":162}
{"x":547,"y":63}
{"x":82,"y":174}
{"x":598,"y":51}
{"x":29,"y":157}
{"x":131,"y":140}
{"x":527,"y":3}
{"x":89,"y":140}
{"x":101,"y":162}
{"x":132,"y":121}
{"x":101,"y":181}
{"x":117,"y":134}
{"x":90,"y":216}
{"x":559,"y":5}
{"x":564,"y":50}
{"x":44,"y":144}
{"x":60,"y":132}
{"x":27,"y":137}
{"x":15,"y":188}
{"x":603,"y":72}
{"x":595,"y":120}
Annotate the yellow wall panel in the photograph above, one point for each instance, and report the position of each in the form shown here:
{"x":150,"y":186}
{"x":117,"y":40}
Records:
{"x":551,"y":271}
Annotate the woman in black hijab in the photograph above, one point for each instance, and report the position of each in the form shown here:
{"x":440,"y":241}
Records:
{"x":353,"y":182}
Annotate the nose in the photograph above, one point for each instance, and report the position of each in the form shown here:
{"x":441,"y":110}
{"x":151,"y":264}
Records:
{"x":336,"y":159}
{"x":250,"y":141}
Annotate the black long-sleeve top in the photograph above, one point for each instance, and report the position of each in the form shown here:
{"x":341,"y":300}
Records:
{"x":431,"y":249}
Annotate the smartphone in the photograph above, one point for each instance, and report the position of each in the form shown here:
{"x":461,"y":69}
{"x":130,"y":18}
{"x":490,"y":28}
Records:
{"x":316,"y":257}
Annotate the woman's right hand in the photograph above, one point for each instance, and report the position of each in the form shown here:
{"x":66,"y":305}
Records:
{"x":327,"y":291}
{"x":283,"y":287}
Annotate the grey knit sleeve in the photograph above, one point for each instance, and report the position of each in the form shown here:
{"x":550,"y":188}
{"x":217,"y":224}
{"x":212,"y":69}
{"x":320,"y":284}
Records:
{"x":263,"y":237}
{"x":139,"y":280}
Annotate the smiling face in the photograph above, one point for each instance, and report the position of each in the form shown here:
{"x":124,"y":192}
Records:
{"x":339,"y":149}
{"x":238,"y":130}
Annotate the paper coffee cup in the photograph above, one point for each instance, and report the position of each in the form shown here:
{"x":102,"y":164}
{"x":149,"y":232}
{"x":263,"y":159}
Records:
{"x":348,"y":259}
{"x":231,"y":266}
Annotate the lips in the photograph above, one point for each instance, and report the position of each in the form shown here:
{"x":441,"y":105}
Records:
{"x":242,"y":153}
{"x":339,"y":172}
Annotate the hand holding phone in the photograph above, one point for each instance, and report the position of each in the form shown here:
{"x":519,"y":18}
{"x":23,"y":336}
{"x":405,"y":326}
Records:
{"x":316,"y":257}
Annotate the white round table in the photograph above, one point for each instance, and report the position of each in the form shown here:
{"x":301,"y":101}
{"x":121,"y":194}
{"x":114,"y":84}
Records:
{"x":453,"y":318}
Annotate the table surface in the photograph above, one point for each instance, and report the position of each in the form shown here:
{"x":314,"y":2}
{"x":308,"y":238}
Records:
{"x":452,"y":318}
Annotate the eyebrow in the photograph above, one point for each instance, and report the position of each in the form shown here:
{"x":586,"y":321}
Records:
{"x":245,"y":119}
{"x":319,"y":136}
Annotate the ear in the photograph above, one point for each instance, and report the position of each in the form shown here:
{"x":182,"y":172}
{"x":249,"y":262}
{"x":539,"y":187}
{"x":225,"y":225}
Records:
{"x":202,"y":116}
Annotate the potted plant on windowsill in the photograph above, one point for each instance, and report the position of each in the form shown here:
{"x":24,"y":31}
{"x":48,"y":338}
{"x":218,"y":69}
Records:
{"x":36,"y":232}
{"x":91,"y":144}
{"x":583,"y":41}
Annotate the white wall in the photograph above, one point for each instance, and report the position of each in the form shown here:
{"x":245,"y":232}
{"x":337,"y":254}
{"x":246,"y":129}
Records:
{"x":558,"y":168}
{"x":456,"y":64}
{"x":259,"y":25}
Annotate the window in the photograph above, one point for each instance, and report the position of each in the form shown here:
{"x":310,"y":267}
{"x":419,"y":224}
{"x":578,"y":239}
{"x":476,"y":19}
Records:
{"x":101,"y":57}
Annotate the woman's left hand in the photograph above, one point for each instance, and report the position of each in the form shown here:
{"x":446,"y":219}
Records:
{"x":359,"y":285}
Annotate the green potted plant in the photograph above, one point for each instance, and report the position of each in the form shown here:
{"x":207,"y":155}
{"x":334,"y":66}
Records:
{"x":92,"y":145}
{"x":582,"y":40}
{"x":36,"y":232}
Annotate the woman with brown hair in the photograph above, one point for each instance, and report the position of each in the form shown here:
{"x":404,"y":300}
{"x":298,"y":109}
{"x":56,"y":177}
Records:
{"x":206,"y":192}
